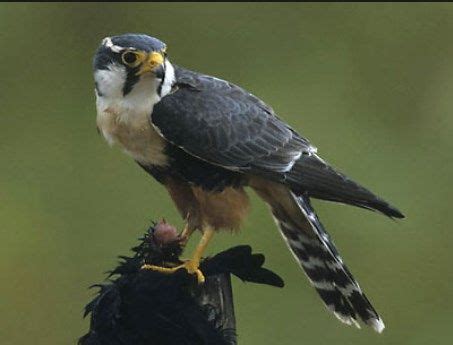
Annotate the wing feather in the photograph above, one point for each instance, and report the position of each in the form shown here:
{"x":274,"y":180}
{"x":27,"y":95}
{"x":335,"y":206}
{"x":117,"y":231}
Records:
{"x":224,"y":125}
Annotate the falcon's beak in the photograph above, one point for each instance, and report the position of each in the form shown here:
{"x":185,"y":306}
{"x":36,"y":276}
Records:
{"x":152,"y":62}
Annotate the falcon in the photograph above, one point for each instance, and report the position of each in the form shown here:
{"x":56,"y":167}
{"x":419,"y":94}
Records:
{"x":205,"y":139}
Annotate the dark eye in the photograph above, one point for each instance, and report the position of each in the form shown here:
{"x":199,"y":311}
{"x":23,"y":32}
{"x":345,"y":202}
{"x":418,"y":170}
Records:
{"x":129,"y":58}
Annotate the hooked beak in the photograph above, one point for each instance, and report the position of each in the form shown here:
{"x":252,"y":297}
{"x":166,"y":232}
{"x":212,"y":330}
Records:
{"x":152,"y":63}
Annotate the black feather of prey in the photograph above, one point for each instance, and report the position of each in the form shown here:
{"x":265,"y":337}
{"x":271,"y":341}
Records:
{"x":142,"y":306}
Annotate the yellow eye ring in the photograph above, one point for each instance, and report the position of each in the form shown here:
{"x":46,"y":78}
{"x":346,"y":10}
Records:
{"x":131,"y":58}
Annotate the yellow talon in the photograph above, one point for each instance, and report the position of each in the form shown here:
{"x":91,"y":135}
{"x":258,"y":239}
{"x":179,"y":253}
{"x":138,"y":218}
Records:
{"x":190,"y":266}
{"x":165,"y":270}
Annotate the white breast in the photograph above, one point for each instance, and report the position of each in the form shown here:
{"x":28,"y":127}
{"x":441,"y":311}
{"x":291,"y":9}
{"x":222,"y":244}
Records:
{"x":125,"y":120}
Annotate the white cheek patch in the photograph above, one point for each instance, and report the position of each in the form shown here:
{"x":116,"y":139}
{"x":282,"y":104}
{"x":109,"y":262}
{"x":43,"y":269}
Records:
{"x":169,"y":79}
{"x":110,"y":82}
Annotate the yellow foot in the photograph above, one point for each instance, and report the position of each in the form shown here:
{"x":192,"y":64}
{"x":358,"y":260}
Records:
{"x":190,"y":266}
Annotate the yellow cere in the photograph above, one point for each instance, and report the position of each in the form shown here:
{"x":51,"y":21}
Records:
{"x":153,"y":60}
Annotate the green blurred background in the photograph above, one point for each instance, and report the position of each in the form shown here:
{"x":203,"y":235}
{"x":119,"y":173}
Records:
{"x":369,"y":84}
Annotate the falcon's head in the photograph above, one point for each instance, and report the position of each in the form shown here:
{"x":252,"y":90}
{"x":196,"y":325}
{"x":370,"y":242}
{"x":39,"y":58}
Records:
{"x":131,"y":65}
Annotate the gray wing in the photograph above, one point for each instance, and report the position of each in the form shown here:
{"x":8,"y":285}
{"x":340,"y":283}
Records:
{"x":224,"y":125}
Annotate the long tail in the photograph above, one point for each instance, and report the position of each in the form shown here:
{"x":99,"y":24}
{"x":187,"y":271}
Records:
{"x":313,"y":176}
{"x":316,"y":254}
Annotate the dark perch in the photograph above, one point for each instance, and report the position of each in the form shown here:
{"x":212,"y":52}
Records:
{"x":142,"y":307}
{"x":216,"y":297}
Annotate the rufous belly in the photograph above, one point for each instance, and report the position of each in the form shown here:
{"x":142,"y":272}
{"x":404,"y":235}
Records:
{"x":219,"y":210}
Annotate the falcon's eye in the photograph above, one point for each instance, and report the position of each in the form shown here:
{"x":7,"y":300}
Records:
{"x":130,"y":58}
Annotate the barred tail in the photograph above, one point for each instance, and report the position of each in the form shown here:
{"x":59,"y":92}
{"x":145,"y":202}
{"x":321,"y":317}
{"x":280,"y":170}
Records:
{"x":315,"y":252}
{"x":326,"y":271}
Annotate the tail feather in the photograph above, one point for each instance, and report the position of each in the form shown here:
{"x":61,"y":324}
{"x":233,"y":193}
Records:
{"x":317,"y":255}
{"x":315,"y":177}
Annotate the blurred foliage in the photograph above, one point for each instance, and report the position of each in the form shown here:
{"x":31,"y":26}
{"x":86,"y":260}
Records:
{"x":369,"y":84}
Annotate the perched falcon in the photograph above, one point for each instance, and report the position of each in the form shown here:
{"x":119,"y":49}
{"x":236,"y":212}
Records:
{"x":205,"y":139}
